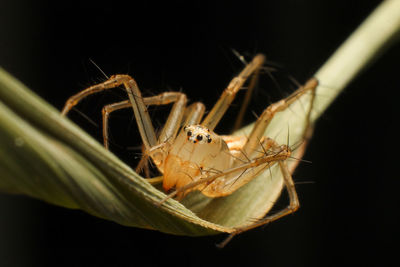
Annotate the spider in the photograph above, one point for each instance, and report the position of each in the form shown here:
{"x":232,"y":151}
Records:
{"x":190,"y":155}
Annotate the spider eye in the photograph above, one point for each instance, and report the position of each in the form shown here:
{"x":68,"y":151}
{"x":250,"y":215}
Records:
{"x":199,"y":138}
{"x":189,"y":133}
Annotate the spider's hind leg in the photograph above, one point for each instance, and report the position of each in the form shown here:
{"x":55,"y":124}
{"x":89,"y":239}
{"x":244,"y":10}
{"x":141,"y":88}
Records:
{"x":293,"y":206}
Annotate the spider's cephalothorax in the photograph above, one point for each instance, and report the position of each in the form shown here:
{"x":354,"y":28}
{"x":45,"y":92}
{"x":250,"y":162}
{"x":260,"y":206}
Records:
{"x":197,"y":134}
{"x":196,"y":150}
{"x":194,"y":157}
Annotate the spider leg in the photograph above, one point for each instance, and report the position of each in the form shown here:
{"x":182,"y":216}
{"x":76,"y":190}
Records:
{"x":193,"y":114}
{"x":263,"y":121}
{"x":106,"y":111}
{"x":246,"y":100}
{"x":253,"y":142}
{"x":248,"y":167}
{"x":170,"y":128}
{"x":143,"y":165}
{"x":219,"y":109}
{"x":294,"y":205}
{"x":169,"y":131}
{"x":106,"y":114}
{"x":162,"y":99}
{"x":145,"y":126}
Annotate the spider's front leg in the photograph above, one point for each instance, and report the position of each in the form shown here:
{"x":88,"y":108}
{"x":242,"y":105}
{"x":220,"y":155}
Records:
{"x":192,"y":113}
{"x":223,"y":103}
{"x":172,"y":124}
{"x":146,"y":128}
{"x":139,"y":106}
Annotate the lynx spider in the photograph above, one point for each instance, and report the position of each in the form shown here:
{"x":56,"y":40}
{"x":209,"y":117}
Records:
{"x":190,"y":155}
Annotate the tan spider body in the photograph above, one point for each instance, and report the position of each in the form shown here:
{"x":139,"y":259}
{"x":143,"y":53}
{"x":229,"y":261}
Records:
{"x":189,"y":154}
{"x":191,"y":159}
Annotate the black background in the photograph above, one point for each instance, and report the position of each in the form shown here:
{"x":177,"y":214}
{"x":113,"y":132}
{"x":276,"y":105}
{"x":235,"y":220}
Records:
{"x":348,"y":194}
